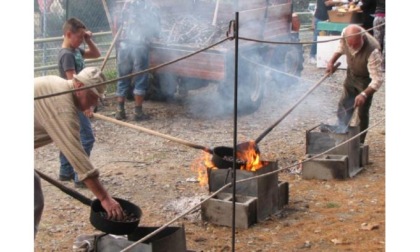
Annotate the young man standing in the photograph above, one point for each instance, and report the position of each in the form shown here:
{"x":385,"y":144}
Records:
{"x":141,"y":24}
{"x":71,"y":62}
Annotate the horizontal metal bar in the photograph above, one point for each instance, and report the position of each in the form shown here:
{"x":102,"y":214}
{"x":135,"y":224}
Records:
{"x":51,"y":67}
{"x":104,"y":45}
{"x":43,"y":40}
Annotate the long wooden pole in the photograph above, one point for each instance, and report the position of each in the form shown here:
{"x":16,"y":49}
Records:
{"x":152,"y":132}
{"x":108,"y":53}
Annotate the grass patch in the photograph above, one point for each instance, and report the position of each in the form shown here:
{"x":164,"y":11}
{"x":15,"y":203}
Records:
{"x":332,"y":205}
{"x":109,"y":75}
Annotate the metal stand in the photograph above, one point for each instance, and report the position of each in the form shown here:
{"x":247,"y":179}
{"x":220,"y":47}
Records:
{"x":235,"y":126}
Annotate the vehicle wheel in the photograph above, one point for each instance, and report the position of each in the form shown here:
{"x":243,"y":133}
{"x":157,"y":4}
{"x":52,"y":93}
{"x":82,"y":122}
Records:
{"x":287,"y":59}
{"x":250,"y":87}
{"x":162,"y":87}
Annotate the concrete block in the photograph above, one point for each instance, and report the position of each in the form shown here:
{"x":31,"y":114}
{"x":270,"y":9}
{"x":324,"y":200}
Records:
{"x":218,"y":210}
{"x":318,"y":142}
{"x":169,"y":239}
{"x":283,"y":194}
{"x":264,"y":189}
{"x":364,"y":155}
{"x":326,"y":167}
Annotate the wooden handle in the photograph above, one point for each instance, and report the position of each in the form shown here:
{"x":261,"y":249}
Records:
{"x":260,"y":137}
{"x":152,"y":132}
{"x":108,"y":53}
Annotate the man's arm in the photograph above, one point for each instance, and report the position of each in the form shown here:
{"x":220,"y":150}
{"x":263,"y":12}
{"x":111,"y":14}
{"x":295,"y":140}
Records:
{"x":69,"y":76}
{"x":337,"y":54}
{"x":329,"y":3}
{"x":63,"y":129}
{"x":374,"y":66}
{"x":92,"y":51}
{"x":331,"y":62}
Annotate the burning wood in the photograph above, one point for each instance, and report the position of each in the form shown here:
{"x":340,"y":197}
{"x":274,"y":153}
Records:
{"x":249,"y":157}
{"x":200,"y":166}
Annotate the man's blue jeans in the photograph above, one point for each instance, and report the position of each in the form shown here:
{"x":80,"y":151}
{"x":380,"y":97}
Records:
{"x":87,"y":138}
{"x":315,"y":38}
{"x":130,"y":59}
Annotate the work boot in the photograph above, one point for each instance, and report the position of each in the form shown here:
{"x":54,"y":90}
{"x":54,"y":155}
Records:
{"x":120,"y":115}
{"x":78,"y":183}
{"x":66,"y":177}
{"x":139,"y":115}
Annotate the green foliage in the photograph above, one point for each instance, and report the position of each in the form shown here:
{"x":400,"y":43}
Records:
{"x":332,"y":205}
{"x":109,"y":75}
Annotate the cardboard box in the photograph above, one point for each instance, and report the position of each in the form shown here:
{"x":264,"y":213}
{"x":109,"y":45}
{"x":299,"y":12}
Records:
{"x":345,"y":17}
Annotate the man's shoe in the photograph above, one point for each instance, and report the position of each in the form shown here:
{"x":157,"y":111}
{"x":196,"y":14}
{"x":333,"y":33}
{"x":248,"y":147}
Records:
{"x":120,"y":115}
{"x":65,"y":177}
{"x":141,"y":117}
{"x":79,"y":184}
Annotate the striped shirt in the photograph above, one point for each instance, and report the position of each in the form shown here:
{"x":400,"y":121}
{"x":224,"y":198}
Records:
{"x":56,"y":121}
{"x":374,"y":64}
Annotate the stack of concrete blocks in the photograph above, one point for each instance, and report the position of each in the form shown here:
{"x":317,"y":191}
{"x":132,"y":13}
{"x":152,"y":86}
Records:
{"x":341,"y":163}
{"x":256,"y":199}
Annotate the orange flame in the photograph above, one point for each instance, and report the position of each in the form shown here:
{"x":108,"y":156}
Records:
{"x":200,"y":166}
{"x":251,"y":156}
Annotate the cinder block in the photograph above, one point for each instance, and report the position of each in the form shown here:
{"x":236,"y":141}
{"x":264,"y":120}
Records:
{"x":326,"y":167}
{"x":169,"y":239}
{"x":283,"y":194}
{"x":218,"y":210}
{"x":364,"y":155}
{"x":264,"y":188}
{"x":318,"y":142}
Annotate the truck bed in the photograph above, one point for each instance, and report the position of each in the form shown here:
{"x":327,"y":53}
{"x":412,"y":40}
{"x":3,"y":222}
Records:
{"x":256,"y":21}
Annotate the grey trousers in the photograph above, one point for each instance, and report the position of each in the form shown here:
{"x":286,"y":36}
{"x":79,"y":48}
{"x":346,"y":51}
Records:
{"x":353,"y":86}
{"x":38,"y":202}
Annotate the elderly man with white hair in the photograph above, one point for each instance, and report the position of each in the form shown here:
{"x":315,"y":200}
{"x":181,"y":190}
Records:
{"x":56,"y":120}
{"x":364,"y":74}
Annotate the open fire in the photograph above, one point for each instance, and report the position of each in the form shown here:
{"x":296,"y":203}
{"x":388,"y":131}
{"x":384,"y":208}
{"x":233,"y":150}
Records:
{"x":249,"y":154}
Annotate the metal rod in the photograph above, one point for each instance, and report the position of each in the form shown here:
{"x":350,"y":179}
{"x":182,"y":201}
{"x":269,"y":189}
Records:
{"x":52,"y":39}
{"x":69,"y":191}
{"x":52,"y":67}
{"x":235,"y":128}
{"x":108,"y":14}
{"x":269,"y":129}
{"x":67,"y":10}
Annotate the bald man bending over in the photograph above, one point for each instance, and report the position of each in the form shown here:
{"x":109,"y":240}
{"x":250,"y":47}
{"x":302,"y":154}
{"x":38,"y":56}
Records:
{"x":364,"y":76}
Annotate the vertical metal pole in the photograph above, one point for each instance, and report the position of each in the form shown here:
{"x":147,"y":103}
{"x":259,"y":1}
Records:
{"x":67,"y":10}
{"x":235,"y":127}
{"x":44,"y":34}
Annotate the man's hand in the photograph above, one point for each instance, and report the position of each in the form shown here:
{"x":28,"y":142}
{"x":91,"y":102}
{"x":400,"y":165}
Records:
{"x":88,"y":113}
{"x":88,"y":36}
{"x":359,"y":101}
{"x":112,"y":208}
{"x":330,"y":68}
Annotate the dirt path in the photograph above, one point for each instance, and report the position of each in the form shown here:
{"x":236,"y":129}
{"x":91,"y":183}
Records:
{"x":153,"y":173}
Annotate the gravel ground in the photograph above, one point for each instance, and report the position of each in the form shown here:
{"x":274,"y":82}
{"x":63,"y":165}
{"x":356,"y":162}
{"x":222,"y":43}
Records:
{"x":156,"y":174}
